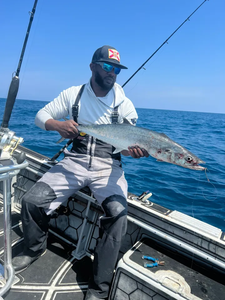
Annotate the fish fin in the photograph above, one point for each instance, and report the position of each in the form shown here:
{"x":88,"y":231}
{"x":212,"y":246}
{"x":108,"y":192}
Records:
{"x":125,"y":121}
{"x":117,"y":150}
{"x":163,"y":134}
{"x":159,"y":160}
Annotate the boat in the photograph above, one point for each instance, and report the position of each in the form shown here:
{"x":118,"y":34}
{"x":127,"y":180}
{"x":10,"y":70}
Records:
{"x":193,"y":251}
{"x":165,"y":254}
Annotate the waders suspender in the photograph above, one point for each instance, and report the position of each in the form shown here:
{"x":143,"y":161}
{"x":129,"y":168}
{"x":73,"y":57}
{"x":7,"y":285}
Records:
{"x":75,"y":108}
{"x":75,"y":115}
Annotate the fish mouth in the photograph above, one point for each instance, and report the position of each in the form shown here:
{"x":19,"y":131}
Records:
{"x":196,"y":166}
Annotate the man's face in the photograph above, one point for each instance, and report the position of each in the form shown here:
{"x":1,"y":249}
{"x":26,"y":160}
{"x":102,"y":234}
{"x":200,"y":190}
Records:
{"x":104,"y":79}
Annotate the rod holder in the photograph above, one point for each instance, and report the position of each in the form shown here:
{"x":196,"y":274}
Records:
{"x":7,"y":172}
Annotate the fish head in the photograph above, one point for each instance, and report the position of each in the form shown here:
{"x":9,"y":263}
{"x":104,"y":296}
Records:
{"x":189,"y":161}
{"x":182,"y":157}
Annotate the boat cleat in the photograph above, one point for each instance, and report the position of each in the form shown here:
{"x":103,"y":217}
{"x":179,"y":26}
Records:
{"x":143,"y":198}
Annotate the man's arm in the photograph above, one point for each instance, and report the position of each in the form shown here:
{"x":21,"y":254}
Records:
{"x":58,"y":109}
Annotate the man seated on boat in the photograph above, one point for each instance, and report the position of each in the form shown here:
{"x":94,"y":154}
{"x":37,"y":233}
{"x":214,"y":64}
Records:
{"x":90,"y":162}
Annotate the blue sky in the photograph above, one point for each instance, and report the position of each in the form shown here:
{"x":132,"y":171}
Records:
{"x":188,"y":73}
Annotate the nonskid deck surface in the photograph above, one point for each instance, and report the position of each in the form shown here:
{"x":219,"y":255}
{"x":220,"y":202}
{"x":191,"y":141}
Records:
{"x":55,"y":275}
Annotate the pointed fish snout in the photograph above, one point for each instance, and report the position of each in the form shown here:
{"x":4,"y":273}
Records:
{"x":201,"y":161}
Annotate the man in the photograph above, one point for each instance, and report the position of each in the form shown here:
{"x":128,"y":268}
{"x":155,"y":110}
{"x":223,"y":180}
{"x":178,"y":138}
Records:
{"x":90,"y":162}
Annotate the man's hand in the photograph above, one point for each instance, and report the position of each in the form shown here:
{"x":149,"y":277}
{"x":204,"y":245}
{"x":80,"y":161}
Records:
{"x":135,"y":152}
{"x":66,"y":129}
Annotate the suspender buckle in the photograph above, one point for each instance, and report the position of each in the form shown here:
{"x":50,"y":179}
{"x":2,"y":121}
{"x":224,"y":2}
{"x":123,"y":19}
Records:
{"x":115,"y":115}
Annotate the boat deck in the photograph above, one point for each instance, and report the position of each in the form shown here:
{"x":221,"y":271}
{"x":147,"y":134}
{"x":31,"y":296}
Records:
{"x":59,"y":275}
{"x":63,"y":271}
{"x":55,"y":275}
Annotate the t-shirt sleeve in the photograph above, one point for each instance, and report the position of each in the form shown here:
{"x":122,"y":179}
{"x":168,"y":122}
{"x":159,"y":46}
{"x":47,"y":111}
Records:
{"x":57,"y":109}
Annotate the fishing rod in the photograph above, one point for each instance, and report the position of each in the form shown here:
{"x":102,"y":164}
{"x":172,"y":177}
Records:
{"x":70,"y":141}
{"x":163,"y":44}
{"x":14,"y":86}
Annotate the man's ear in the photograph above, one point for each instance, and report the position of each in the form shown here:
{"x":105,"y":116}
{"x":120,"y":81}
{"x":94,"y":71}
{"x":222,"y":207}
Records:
{"x":92,"y":66}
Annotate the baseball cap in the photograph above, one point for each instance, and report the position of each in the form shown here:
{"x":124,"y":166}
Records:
{"x":109,"y":55}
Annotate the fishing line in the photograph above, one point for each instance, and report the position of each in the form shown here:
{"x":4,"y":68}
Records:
{"x":31,"y":43}
{"x":26,"y":38}
{"x":215,"y":188}
{"x":202,"y":192}
{"x":141,"y":67}
{"x":192,"y":208}
{"x":206,"y":175}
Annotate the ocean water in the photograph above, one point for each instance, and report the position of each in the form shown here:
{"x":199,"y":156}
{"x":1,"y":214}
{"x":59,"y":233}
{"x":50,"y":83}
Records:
{"x":197,"y":193}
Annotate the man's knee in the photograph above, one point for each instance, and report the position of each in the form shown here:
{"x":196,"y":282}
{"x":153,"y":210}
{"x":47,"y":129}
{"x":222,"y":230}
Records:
{"x":40,"y":195}
{"x":114,"y":206}
{"x":114,"y":223}
{"x":33,"y":207}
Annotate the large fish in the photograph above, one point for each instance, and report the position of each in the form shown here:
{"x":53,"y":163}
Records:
{"x":158,"y":145}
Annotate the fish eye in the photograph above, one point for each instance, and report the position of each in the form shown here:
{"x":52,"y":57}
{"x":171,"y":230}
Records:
{"x":189,"y":158}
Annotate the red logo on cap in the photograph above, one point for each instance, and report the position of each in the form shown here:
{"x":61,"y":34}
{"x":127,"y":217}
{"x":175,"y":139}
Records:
{"x":114,"y":54}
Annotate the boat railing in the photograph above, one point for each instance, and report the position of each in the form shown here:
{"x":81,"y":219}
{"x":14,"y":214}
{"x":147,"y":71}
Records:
{"x":8,"y":169}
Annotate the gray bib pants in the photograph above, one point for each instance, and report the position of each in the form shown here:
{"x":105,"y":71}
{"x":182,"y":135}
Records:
{"x":105,"y":178}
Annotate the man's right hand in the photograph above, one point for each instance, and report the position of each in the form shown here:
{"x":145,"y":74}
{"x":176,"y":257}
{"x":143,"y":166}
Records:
{"x":66,"y":129}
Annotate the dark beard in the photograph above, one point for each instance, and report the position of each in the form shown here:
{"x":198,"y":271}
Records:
{"x":104,"y":85}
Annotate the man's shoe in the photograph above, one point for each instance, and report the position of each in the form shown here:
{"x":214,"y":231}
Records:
{"x":21,"y":262}
{"x":90,"y":296}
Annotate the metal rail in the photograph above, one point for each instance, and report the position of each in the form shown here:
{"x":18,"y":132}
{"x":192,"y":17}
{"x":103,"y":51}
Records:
{"x":6,"y":174}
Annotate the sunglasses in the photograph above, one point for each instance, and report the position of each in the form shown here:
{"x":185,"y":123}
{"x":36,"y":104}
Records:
{"x":108,"y":68}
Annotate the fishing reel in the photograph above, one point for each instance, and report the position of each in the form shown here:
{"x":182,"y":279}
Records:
{"x":8,"y":143}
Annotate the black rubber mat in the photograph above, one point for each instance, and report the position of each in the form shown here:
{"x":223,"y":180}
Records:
{"x":55,"y":275}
